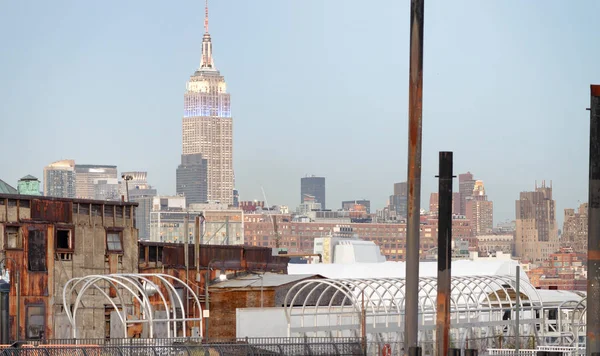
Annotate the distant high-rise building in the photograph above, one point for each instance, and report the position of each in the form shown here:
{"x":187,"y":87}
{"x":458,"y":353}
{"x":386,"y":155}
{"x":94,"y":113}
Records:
{"x":29,"y":185}
{"x":142,"y":193}
{"x":480,"y":211}
{"x":207,"y":123}
{"x":192,"y":177}
{"x":575,"y":229}
{"x":350,"y":204}
{"x":315,"y":187}
{"x":236,"y":198}
{"x":466,"y":183}
{"x":399,"y":201}
{"x":86,"y":174}
{"x":456,"y":203}
{"x":434,"y":205}
{"x":536,"y":231}
{"x":106,"y":189}
{"x":59,"y":179}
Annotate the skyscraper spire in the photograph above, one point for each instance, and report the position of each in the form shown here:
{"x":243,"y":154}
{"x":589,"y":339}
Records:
{"x":207,"y":61}
{"x":206,"y":17}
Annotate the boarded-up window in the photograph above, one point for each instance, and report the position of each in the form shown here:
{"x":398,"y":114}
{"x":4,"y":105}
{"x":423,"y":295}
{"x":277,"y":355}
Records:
{"x":14,"y":239}
{"x":36,"y":254}
{"x":36,"y":321}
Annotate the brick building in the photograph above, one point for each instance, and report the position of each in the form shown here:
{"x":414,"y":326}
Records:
{"x":563,"y":270}
{"x":298,"y":237}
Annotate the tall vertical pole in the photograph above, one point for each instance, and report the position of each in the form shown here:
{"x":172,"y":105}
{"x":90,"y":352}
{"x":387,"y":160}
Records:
{"x":186,"y":257}
{"x":593,"y":281}
{"x":415,"y":110}
{"x":442,"y":328}
{"x":517,"y":309}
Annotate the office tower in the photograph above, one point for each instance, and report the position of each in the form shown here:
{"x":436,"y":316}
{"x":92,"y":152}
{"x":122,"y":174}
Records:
{"x":142,"y":193}
{"x":575,"y":229}
{"x":86,"y":174}
{"x":191,"y":178}
{"x":466,"y":183}
{"x":207,"y":124}
{"x":59,"y":179}
{"x":350,"y":204}
{"x":106,"y":189}
{"x":399,"y":201}
{"x":479,"y":210}
{"x":536,"y":230}
{"x":313,"y":187}
{"x":29,"y":185}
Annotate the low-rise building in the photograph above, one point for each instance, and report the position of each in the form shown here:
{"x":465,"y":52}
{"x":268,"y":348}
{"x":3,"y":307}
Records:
{"x":48,"y":241}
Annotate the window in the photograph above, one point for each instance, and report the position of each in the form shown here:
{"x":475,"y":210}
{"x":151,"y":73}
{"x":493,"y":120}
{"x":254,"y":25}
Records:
{"x":36,"y":254}
{"x":14,"y":239}
{"x":113,"y":241}
{"x":36,"y":321}
{"x":64,"y":239}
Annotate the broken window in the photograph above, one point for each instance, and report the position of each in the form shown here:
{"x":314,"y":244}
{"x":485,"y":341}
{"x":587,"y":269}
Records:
{"x":36,"y":321}
{"x":14,"y":239}
{"x":64,"y":240}
{"x":113,"y":241}
{"x":36,"y":253}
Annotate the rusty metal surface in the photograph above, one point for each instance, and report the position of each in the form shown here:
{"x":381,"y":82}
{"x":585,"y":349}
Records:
{"x":52,"y":211}
{"x":228,"y":257}
{"x":442,"y":327}
{"x":415,"y":111}
{"x":593,"y":282}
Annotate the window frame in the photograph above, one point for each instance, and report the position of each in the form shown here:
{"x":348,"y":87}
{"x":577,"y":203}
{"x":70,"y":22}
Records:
{"x":44,"y":233}
{"x":27,"y":320}
{"x":19,"y":236}
{"x":71,"y":237}
{"x":119,"y":232}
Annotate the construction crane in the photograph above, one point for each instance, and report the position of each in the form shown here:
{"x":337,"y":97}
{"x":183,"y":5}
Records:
{"x":274,"y":218}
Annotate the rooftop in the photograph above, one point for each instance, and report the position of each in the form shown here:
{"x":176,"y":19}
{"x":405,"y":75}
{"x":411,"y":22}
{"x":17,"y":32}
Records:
{"x":6,"y":189}
{"x":269,"y":280}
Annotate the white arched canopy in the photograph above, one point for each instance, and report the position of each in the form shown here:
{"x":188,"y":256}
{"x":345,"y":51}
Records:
{"x":134,"y":287}
{"x":482,"y":308}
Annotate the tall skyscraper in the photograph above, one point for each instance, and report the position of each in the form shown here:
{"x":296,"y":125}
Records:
{"x":480,"y":211}
{"x":313,"y":187}
{"x":87,"y":174}
{"x":59,"y":179}
{"x":399,"y":201}
{"x":536,"y":230}
{"x":434,"y":205}
{"x":191,"y":178}
{"x":466,"y":183}
{"x":207,"y":124}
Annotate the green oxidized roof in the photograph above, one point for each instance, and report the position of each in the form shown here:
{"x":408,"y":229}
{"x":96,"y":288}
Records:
{"x":6,"y":189}
{"x":29,"y":177}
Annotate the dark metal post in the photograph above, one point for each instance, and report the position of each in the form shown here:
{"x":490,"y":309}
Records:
{"x":593,"y":282}
{"x":415,"y":111}
{"x":442,"y":328}
{"x":517,"y":310}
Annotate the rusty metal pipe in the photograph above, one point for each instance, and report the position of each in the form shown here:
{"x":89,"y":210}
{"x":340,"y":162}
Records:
{"x":415,"y":111}
{"x":442,"y":327}
{"x":593,"y":281}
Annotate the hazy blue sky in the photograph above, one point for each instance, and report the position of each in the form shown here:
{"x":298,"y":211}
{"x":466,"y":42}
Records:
{"x":318,"y":87}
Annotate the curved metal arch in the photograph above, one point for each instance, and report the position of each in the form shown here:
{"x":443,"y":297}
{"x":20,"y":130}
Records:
{"x":384,"y":298}
{"x":133,"y":284}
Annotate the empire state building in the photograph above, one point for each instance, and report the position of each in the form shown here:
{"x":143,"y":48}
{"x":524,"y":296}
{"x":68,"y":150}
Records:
{"x":207,"y":123}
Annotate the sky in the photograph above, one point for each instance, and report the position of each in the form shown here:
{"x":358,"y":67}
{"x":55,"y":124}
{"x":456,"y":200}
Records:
{"x":318,"y":87}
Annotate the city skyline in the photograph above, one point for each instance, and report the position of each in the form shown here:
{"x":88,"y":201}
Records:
{"x":142,"y":99}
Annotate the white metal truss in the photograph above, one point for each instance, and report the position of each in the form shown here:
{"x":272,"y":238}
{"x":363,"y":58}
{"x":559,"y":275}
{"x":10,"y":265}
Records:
{"x":136,"y":286}
{"x":482,"y":309}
